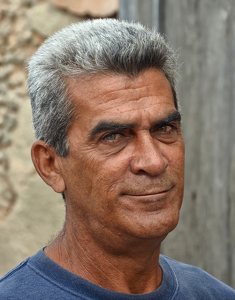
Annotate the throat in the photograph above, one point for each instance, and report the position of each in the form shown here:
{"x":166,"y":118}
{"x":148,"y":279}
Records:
{"x":120,"y":273}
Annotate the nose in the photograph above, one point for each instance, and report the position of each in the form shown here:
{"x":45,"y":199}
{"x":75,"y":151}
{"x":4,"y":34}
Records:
{"x":147,"y":157}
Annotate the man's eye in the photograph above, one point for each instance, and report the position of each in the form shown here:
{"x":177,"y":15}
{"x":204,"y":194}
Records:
{"x":166,"y":128}
{"x":112,"y":137}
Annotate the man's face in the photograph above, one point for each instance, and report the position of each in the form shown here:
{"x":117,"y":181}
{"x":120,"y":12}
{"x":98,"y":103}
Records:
{"x":125,"y":170}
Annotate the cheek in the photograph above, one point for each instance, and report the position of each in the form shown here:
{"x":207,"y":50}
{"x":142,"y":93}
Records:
{"x":175,"y":156}
{"x":78,"y":174}
{"x":175,"y":170}
{"x":109,"y":174}
{"x":99,"y":176}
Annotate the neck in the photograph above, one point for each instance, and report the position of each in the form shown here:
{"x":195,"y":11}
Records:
{"x":126,"y":265}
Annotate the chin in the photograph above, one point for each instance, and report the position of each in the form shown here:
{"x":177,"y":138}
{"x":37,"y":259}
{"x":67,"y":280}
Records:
{"x":154,"y":229}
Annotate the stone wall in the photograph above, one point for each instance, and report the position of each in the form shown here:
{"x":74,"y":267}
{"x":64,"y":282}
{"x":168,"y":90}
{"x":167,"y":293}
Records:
{"x":15,"y":37}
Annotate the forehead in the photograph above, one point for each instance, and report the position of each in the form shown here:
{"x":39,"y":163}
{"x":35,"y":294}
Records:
{"x":113,"y":95}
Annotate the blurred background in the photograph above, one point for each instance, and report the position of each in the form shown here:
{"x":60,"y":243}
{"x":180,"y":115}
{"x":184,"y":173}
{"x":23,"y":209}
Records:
{"x":203,"y":32}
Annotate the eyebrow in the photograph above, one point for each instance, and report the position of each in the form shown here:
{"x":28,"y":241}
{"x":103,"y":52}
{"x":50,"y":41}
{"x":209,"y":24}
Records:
{"x":103,"y":126}
{"x":173,"y":117}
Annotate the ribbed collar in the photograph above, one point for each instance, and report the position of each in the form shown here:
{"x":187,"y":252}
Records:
{"x":84,"y":289}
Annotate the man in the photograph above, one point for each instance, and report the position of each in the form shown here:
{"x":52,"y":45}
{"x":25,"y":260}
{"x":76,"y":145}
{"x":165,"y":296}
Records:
{"x":109,"y":139}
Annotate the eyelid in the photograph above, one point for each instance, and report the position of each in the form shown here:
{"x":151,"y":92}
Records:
{"x":173,"y":125}
{"x":104,"y":136}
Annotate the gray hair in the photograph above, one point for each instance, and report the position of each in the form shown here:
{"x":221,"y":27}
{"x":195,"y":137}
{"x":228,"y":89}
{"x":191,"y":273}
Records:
{"x":83,"y":50}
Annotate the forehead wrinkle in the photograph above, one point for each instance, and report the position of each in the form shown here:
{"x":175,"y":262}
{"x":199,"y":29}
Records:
{"x":121,"y":108}
{"x":112,"y":90}
{"x":118,"y":87}
{"x":136,"y":93}
{"x":117,"y":92}
{"x":117,"y":95}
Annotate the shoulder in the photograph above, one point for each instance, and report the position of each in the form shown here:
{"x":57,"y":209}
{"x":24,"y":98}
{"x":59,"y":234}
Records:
{"x":13,"y":280}
{"x":196,"y":283}
{"x":37,"y":278}
{"x":24,"y":281}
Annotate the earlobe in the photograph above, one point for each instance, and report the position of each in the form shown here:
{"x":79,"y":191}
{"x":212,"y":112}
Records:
{"x":46,"y":163}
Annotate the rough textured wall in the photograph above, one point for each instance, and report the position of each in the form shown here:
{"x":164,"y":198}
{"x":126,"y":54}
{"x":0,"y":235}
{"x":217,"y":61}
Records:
{"x":205,"y":31}
{"x":94,"y":8}
{"x":14,"y":43}
{"x":29,"y":211}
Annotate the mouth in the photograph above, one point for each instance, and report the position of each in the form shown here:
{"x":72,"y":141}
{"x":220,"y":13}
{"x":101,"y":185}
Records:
{"x":149,"y":194}
{"x":148,"y":200}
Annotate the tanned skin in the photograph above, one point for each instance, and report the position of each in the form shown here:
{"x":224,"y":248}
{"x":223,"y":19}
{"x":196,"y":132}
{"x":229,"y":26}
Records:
{"x":123,"y":180}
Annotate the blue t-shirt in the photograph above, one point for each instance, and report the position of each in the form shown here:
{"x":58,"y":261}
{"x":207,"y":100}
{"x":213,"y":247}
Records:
{"x":40,"y":278}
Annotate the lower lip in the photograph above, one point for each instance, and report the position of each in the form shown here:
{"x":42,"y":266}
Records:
{"x":149,"y":202}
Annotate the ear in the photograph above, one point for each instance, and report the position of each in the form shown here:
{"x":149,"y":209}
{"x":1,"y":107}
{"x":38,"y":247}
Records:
{"x":47,"y":164}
